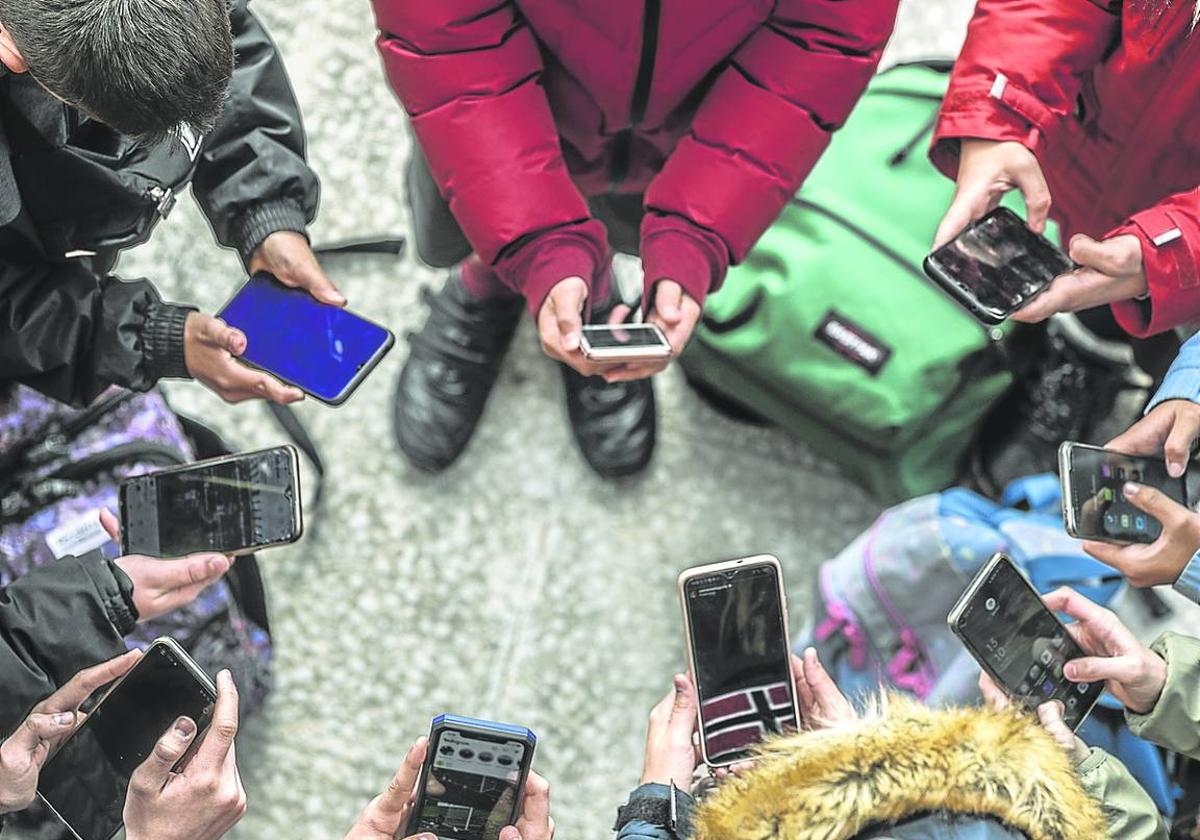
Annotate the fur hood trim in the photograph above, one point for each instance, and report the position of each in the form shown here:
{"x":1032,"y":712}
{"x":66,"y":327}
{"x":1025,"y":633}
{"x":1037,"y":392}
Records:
{"x":901,"y":761}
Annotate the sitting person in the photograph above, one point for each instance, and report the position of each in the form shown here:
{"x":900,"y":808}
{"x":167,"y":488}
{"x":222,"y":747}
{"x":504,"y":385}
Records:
{"x":902,"y":771}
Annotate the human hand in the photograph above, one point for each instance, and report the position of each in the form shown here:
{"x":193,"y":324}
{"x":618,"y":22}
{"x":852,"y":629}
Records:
{"x":1049,"y":714}
{"x":822,"y":703}
{"x":204,"y":799}
{"x":671,"y":756}
{"x":210,"y":349}
{"x":24,"y":753}
{"x":1162,"y":561}
{"x":1170,"y":428}
{"x":674,"y":312}
{"x":1133,"y":673}
{"x":1110,"y":271}
{"x":162,"y":585}
{"x":387,"y":814}
{"x":535,"y":822}
{"x":289,"y":257}
{"x":560,"y":325}
{"x":987,"y":170}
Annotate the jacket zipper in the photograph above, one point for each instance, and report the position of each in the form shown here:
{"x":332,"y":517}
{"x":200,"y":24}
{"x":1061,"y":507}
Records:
{"x":623,"y":142}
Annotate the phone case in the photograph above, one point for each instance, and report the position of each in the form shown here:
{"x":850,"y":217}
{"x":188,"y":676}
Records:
{"x":959,"y":292}
{"x":122,"y":501}
{"x":462,"y":723}
{"x":359,"y":377}
{"x":712,"y":568}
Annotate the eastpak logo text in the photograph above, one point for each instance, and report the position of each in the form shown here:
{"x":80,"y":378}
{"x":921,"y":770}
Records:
{"x":852,"y":342}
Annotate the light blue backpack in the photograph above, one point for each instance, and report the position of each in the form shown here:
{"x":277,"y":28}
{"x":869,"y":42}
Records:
{"x":881,"y":604}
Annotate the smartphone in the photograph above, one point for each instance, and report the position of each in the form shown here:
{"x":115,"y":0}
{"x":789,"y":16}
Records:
{"x":85,"y":781}
{"x":996,"y":266}
{"x":234,"y":504}
{"x":1093,"y":498}
{"x":735,"y":617}
{"x":473,"y":781}
{"x":323,"y":350}
{"x":1014,"y":636}
{"x":621,"y":343}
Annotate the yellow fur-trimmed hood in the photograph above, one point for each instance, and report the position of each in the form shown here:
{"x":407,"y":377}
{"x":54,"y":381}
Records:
{"x":905,"y":761}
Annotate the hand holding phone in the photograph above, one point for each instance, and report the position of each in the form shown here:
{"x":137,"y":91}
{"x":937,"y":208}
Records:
{"x":618,"y":344}
{"x":229,"y":505}
{"x":996,"y":266}
{"x":1019,"y":642}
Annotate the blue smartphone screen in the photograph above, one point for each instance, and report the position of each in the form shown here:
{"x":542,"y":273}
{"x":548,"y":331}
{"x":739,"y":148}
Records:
{"x":320,"y":349}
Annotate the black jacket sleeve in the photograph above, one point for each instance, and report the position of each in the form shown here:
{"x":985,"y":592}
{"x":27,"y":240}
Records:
{"x":252,"y":179}
{"x":71,"y":333}
{"x":56,"y":621}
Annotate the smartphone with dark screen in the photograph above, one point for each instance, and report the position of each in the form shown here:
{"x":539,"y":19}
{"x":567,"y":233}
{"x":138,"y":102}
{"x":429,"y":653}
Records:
{"x":473,"y":780}
{"x":1014,"y":636}
{"x":235,"y":504}
{"x":1093,"y":496}
{"x":996,"y":266}
{"x":323,"y":350}
{"x":85,"y":781}
{"x":621,"y":343}
{"x":735,"y":617}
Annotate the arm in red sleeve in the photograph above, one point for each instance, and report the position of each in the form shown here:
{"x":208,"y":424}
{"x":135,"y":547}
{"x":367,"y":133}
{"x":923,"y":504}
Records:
{"x":1170,"y":236}
{"x":1018,"y":75}
{"x":467,"y":73}
{"x":758,"y":133}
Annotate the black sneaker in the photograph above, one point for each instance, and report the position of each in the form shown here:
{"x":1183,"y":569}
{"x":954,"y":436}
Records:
{"x":452,"y":365}
{"x":614,"y":424}
{"x":1071,"y":392}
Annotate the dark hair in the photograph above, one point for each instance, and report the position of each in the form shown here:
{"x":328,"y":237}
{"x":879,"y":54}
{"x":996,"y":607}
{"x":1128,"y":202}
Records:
{"x":143,"y":67}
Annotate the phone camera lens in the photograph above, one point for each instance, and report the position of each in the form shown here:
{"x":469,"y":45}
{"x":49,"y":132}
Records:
{"x":447,"y":750}
{"x":505,"y":761}
{"x":486,"y":756}
{"x":466,"y":753}
{"x":990,"y":604}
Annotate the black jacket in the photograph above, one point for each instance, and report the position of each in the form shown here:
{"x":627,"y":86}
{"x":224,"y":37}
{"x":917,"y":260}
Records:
{"x":73,"y":194}
{"x":56,"y":621}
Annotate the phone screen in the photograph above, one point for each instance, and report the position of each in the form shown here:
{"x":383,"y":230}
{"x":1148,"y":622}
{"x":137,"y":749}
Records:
{"x":1018,"y":640}
{"x":1101,"y":511}
{"x":471,"y":786}
{"x":743,"y":666}
{"x":1001,"y":263}
{"x":85,"y":781}
{"x":226,"y":506}
{"x":317,"y":347}
{"x":623,"y":337}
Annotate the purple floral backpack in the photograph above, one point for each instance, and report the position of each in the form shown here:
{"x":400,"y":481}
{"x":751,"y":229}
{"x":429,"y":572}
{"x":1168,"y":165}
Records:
{"x":59,"y":465}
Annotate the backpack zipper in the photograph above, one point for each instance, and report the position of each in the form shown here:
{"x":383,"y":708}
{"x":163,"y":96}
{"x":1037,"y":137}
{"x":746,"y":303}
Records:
{"x":623,"y":142}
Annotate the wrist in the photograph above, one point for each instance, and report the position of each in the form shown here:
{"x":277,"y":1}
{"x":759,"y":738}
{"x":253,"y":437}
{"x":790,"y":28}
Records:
{"x":1156,"y":682}
{"x":260,"y":221}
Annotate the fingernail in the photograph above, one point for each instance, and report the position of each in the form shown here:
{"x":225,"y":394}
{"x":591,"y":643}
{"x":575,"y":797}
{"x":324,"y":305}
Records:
{"x":214,"y":566}
{"x":340,"y":300}
{"x":570,"y":341}
{"x":225,"y":676}
{"x":1175,"y":469}
{"x":64,"y":718}
{"x":184,"y":727}
{"x":1071,"y":671}
{"x":1132,"y":489}
{"x":680,"y":683}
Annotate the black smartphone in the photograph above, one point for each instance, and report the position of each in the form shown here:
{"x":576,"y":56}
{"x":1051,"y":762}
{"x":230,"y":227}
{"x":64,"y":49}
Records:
{"x":234,"y":504}
{"x":1014,"y":636}
{"x":473,"y":780}
{"x":996,"y":266}
{"x":1093,"y":497}
{"x":323,"y":350}
{"x":85,"y":781}
{"x":735,"y":616}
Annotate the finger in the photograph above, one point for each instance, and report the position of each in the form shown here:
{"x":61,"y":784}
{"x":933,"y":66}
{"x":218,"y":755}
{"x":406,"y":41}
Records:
{"x":619,"y":315}
{"x":1089,"y":669}
{"x":240,"y":383}
{"x":1178,"y":447}
{"x":535,"y":811}
{"x":155,"y":771}
{"x":110,"y":524}
{"x":968,"y":205}
{"x":218,"y":740}
{"x":824,"y":689}
{"x":38,"y":728}
{"x":193,"y":570}
{"x":993,"y":695}
{"x":220,"y":334}
{"x":683,"y":711}
{"x":1067,"y":600}
{"x":1051,"y":716}
{"x":1032,"y":184}
{"x":84,"y":684}
{"x":1110,"y":555}
{"x":808,"y":703}
{"x":1156,"y":503}
{"x":510,"y":832}
{"x":309,"y":275}
{"x":1112,"y":256}
{"x":668,"y":299}
{"x":402,"y":787}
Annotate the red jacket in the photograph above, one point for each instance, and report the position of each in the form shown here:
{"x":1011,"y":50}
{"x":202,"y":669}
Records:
{"x":1106,"y":95}
{"x":715,"y":109}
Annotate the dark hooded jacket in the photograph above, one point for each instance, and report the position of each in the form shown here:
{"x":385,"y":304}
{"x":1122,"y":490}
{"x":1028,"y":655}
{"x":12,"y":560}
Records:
{"x":74,"y":193}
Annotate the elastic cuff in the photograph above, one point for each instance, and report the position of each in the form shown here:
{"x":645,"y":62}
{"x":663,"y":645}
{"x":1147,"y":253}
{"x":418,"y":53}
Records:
{"x":1095,"y":759}
{"x":123,"y":612}
{"x":162,"y":340}
{"x":260,"y":221}
{"x":550,"y":265}
{"x":1188,"y":584}
{"x":681,"y":257}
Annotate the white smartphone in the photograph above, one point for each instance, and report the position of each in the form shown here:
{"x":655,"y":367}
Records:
{"x":735,"y":617}
{"x":621,"y":343}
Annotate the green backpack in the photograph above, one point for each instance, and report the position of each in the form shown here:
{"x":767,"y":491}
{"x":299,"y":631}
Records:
{"x":830,"y":328}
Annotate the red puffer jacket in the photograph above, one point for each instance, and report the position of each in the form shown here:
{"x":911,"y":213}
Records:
{"x":715,"y":109}
{"x":1106,"y":95}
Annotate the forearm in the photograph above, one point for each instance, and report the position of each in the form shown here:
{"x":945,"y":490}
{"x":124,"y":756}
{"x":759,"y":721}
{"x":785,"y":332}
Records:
{"x":1132,"y":814}
{"x":1174,"y":722}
